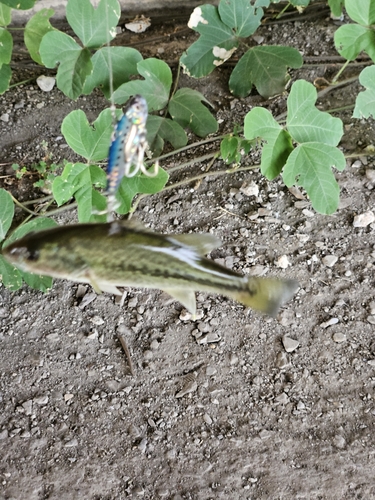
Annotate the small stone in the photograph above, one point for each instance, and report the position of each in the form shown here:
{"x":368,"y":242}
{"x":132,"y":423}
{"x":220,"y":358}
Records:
{"x":211,"y":371}
{"x":301,"y":406}
{"x":207,"y":419}
{"x":142,"y":445}
{"x":68,"y":397}
{"x":363,"y":220}
{"x":289,"y":344}
{"x":339,"y":442}
{"x":339,"y":337}
{"x":264,"y":434}
{"x":330,"y":322}
{"x":45,"y":83}
{"x":329,"y":260}
{"x":72,"y":443}
{"x":283,"y":262}
{"x":53,"y":337}
{"x":372,"y":307}
{"x":27,"y":406}
{"x":370,"y":175}
{"x":308,"y":213}
{"x":249,"y":188}
{"x":93,"y":336}
{"x":97,"y":320}
{"x":81,"y":291}
{"x":282,"y":398}
{"x":3,"y":434}
{"x":41,"y":400}
{"x":148,"y":354}
{"x":371,"y":319}
{"x":190,"y":386}
{"x":4,"y":117}
{"x":154,"y":345}
{"x":282,"y":360}
{"x":233,"y":359}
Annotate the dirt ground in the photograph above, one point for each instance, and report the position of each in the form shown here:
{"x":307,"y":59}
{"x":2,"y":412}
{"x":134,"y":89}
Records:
{"x":224,"y":407}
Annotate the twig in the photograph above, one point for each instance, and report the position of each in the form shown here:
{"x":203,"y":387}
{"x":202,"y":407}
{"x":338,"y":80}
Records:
{"x":127,"y":353}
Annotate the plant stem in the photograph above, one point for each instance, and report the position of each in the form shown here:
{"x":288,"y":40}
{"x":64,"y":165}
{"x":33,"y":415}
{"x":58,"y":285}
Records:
{"x":334,"y":80}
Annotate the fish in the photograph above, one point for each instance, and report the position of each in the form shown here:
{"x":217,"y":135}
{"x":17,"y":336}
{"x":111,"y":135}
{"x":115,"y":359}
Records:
{"x":123,"y":253}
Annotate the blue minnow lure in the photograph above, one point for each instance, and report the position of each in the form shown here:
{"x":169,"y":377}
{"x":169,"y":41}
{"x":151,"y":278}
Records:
{"x":128,"y":145}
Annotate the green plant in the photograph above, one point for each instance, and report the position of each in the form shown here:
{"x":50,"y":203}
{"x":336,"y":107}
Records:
{"x":222,"y":30}
{"x":309,"y":163}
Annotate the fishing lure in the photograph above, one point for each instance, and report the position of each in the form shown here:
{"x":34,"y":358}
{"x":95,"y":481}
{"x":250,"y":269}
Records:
{"x":128,"y":144}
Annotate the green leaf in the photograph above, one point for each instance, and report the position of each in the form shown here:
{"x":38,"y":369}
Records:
{"x":90,"y":141}
{"x":229,"y":149}
{"x":160,"y":129}
{"x":35,"y":30}
{"x":94,"y":27}
{"x":75,"y":62}
{"x":19,"y":4}
{"x":5,"y":77}
{"x":239,"y":15}
{"x":336,"y":7}
{"x":37,"y":281}
{"x":309,"y":166}
{"x":365,"y":102}
{"x":6,"y":214}
{"x":362,"y":12}
{"x":260,"y":123}
{"x":300,"y":3}
{"x":88,"y":199}
{"x":9,"y":275}
{"x":65,"y":185}
{"x":140,"y":183}
{"x":215,"y":45}
{"x":120,"y":61}
{"x":6,"y":44}
{"x":154,"y":88}
{"x":5,"y":15}
{"x":186,"y":108}
{"x":37,"y":224}
{"x":266,"y":68}
{"x":351,"y":39}
{"x":305,"y":122}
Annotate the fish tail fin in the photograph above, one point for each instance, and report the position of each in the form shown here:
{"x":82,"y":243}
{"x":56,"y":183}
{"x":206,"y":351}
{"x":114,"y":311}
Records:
{"x":266,"y":294}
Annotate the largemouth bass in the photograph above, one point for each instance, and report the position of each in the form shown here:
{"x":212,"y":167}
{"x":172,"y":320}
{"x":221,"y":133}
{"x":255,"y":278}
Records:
{"x":119,"y":254}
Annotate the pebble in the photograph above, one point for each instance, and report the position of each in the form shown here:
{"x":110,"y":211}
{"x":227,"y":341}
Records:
{"x":87,"y":299}
{"x":289,"y":344}
{"x":371,"y":319}
{"x":97,"y":320}
{"x":329,"y":260}
{"x":207,"y":419}
{"x":370,"y":174}
{"x":249,"y":188}
{"x":339,"y":441}
{"x":4,"y":117}
{"x":282,"y":360}
{"x":372,"y":307}
{"x":142,"y":445}
{"x":190,"y":386}
{"x":28,"y":406}
{"x":45,"y":83}
{"x":363,"y":220}
{"x":41,"y":400}
{"x":72,"y":443}
{"x":308,"y":213}
{"x":210,"y":338}
{"x":211,"y":371}
{"x":283,"y":262}
{"x":53,"y":337}
{"x":282,"y":398}
{"x":330,"y":322}
{"x":68,"y":397}
{"x":339,"y":337}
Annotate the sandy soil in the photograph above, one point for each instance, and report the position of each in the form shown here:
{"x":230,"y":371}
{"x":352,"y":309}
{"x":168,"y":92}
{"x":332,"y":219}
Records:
{"x":225,"y":407}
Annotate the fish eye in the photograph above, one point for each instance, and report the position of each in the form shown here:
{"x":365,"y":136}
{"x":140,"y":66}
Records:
{"x":32,"y":255}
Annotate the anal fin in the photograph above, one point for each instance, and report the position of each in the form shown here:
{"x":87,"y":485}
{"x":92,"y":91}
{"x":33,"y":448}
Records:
{"x":186,"y":297}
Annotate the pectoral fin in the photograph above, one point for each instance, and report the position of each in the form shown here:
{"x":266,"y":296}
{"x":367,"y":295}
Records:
{"x":100,"y":287}
{"x":186,"y":297}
